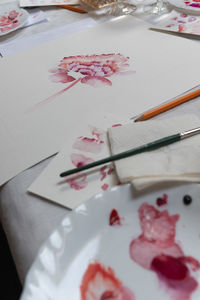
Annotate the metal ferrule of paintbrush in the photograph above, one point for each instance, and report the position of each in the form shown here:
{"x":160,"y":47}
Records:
{"x":189,"y":133}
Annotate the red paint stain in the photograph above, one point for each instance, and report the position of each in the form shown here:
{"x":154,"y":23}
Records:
{"x":155,"y":249}
{"x":104,"y":187}
{"x":80,"y":181}
{"x":100,"y":283}
{"x":114,"y":218}
{"x":162,"y":200}
{"x":103,"y":173}
{"x":110,"y":170}
{"x":116,"y":125}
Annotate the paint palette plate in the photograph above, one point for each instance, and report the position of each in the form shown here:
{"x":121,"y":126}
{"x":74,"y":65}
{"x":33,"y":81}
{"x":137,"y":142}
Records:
{"x":11,"y":17}
{"x":120,"y":245}
{"x":187,"y":5}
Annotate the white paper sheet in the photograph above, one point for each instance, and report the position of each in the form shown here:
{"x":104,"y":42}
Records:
{"x":157,"y":67}
{"x":34,"y":40}
{"x":84,"y":145}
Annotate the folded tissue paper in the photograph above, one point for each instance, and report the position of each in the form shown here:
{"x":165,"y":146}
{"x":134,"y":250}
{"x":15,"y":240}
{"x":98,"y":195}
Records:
{"x":178,"y":162}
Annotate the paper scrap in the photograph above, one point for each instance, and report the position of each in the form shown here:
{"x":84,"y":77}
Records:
{"x":179,"y":22}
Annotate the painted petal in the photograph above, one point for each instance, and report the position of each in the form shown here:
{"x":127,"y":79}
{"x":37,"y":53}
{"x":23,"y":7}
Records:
{"x":62,"y":77}
{"x":96,"y":81}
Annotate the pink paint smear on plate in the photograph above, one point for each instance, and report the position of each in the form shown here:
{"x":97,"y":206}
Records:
{"x":160,"y":201}
{"x":101,"y":283}
{"x":155,"y":249}
{"x":93,"y":70}
{"x":9,"y":22}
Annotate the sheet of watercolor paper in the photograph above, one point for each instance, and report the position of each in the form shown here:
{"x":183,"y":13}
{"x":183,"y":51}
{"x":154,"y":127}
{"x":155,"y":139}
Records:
{"x":119,"y":67}
{"x":84,"y":145}
{"x":180,"y":22}
{"x":27,"y":3}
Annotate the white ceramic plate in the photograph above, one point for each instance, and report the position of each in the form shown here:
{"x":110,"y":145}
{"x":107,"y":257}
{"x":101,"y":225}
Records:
{"x":11,"y":18}
{"x":87,"y":258}
{"x":186,"y":5}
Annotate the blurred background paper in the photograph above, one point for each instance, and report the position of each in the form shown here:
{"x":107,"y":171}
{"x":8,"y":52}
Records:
{"x":27,"y":3}
{"x":179,"y":22}
{"x":37,"y":106}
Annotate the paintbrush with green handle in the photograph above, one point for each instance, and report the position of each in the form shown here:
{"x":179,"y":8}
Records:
{"x":144,"y":148}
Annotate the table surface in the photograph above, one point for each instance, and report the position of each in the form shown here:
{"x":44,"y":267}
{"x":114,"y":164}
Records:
{"x":27,"y":219}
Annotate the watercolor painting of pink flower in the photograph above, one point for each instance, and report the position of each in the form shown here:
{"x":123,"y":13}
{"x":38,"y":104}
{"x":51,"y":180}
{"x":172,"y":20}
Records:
{"x":93,"y":70}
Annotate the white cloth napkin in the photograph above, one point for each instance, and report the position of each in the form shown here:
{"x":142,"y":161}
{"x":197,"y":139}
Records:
{"x":179,"y":161}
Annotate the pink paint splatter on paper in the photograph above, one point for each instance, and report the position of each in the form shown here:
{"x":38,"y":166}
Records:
{"x":93,"y":70}
{"x":104,"y":187}
{"x":104,"y":171}
{"x":94,"y":145}
{"x":79,"y":182}
{"x":156,"y":249}
{"x":101,"y":283}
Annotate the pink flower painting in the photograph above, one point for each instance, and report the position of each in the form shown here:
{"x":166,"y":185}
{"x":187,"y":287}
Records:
{"x":100,"y":283}
{"x":92,"y":70}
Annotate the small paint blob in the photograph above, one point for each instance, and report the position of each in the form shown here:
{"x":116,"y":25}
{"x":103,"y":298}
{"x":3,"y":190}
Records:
{"x":104,"y":187}
{"x":110,"y":170}
{"x":187,"y":199}
{"x":114,"y":218}
{"x":160,"y":201}
{"x":101,"y":283}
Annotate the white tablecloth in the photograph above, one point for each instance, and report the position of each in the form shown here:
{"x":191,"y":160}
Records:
{"x":26,"y":219}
